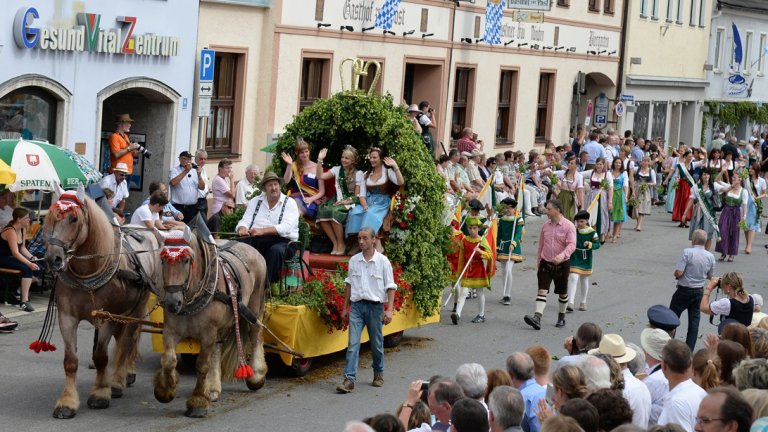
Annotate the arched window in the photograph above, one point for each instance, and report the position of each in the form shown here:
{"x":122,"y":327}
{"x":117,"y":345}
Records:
{"x":29,"y":113}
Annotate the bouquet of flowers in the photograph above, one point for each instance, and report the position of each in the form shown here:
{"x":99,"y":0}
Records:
{"x":324,"y":294}
{"x":674,"y":185}
{"x":643,"y":187}
{"x":743,"y":225}
{"x":632,"y":202}
{"x":403,"y":213}
{"x":553,"y":179}
{"x":605,"y":184}
{"x":522,"y":168}
{"x":660,"y":189}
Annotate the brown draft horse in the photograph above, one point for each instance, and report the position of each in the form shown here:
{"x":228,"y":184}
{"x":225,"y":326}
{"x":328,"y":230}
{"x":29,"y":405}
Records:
{"x":200,"y":279}
{"x":98,"y":266}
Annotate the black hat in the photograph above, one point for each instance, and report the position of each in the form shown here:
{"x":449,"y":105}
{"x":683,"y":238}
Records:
{"x":475,"y":204}
{"x":509,"y":202}
{"x":185,"y":154}
{"x":583,"y":214}
{"x":662,"y":317}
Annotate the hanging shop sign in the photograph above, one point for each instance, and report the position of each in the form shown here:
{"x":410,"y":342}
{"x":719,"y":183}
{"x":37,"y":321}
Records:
{"x":89,"y":36}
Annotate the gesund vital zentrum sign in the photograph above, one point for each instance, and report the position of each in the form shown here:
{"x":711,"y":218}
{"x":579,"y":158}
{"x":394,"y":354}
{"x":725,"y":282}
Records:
{"x":89,"y":36}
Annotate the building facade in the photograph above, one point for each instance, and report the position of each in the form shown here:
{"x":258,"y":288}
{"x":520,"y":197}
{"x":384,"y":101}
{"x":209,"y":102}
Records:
{"x":738,"y":24}
{"x":72,"y":66}
{"x":518,"y":94}
{"x":664,"y":62}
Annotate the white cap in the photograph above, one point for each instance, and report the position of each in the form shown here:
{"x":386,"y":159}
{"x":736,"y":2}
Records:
{"x":122,"y":167}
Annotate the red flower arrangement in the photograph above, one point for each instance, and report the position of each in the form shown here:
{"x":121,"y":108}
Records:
{"x":324,"y":293}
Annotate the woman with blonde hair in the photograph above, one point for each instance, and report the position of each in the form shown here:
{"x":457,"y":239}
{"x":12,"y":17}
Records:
{"x":645,"y":182}
{"x":301,"y":177}
{"x":332,"y":214}
{"x":706,"y":369}
{"x":561,"y":423}
{"x":737,"y":305}
{"x":758,"y":399}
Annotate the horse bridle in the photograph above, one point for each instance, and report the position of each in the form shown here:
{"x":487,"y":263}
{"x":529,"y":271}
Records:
{"x":68,"y":248}
{"x":183,"y":287}
{"x":208,"y":281}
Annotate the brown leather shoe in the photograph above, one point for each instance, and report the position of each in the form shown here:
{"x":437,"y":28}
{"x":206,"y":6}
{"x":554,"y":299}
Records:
{"x":346,"y":387}
{"x":378,"y":380}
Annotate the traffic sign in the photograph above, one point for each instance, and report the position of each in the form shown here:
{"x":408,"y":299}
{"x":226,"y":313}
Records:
{"x":627,"y":98}
{"x":207,"y":62}
{"x":204,"y":107}
{"x":587,"y":120}
{"x":205,"y":89}
{"x":601,"y":111}
{"x":590,"y":109}
{"x":619,"y":109}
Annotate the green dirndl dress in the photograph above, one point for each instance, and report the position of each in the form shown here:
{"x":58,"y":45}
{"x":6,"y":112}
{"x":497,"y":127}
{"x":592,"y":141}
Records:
{"x":345,"y":189}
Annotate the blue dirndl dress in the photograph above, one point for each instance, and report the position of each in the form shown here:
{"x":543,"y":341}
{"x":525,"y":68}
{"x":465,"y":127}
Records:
{"x":378,"y":199}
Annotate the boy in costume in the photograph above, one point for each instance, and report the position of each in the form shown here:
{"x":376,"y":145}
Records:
{"x":478,"y":274}
{"x":475,"y":207}
{"x":508,"y":248}
{"x":587,"y":240}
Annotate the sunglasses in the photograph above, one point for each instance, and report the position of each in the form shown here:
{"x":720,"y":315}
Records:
{"x":230,"y":207}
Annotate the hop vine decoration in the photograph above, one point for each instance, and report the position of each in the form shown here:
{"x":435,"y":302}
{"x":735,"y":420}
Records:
{"x":743,"y":225}
{"x":643,"y":187}
{"x":374,"y":121}
{"x":605,"y":184}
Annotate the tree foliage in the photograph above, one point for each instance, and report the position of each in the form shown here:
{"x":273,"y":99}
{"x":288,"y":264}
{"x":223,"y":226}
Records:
{"x":352,"y":118}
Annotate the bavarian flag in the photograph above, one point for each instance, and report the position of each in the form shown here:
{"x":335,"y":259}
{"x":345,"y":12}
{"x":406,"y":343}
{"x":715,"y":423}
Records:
{"x":386,"y":14}
{"x":494,"y":12}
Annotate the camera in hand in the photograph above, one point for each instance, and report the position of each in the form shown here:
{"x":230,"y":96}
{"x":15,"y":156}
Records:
{"x":144,"y":151}
{"x":194,"y":166}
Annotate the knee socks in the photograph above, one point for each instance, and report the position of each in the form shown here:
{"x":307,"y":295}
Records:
{"x":563,"y":299}
{"x":541,"y":302}
{"x":481,"y":301}
{"x":461,"y":296}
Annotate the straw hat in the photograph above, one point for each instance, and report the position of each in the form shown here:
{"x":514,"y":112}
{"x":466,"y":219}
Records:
{"x":413,"y":108}
{"x":613,"y":345}
{"x":123,"y":118}
{"x":121,"y":167}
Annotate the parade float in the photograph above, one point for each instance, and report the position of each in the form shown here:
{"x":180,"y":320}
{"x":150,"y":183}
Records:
{"x":304,"y":313}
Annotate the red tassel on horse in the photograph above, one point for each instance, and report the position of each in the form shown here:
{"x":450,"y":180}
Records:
{"x":244,"y":371}
{"x":36,"y":346}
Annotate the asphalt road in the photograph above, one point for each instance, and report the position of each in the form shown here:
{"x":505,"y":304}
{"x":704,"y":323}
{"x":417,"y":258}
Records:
{"x":629,"y":277}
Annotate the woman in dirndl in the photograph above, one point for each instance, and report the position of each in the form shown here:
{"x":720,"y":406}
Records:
{"x":301,"y":178}
{"x":600,"y":182}
{"x":620,"y":195}
{"x":645,"y":182}
{"x":699,"y":219}
{"x":380,"y":183}
{"x":755,"y":192}
{"x":734,"y":212}
{"x":680,"y":211}
{"x":332,"y":214}
{"x":571,"y":186}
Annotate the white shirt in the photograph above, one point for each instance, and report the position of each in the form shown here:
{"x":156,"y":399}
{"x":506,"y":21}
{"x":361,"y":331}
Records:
{"x":142,"y":214}
{"x":722,"y":306}
{"x":184,"y":193}
{"x":242,"y":190}
{"x":6,"y":214}
{"x":658,"y":387}
{"x":121,"y":190}
{"x":370,"y":280}
{"x":203,"y":193}
{"x":639,"y":398}
{"x":359,"y":180}
{"x":682,"y":404}
{"x":269,"y":217}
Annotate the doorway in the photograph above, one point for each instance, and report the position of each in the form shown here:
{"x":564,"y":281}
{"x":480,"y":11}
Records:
{"x":153,"y":127}
{"x":423,"y":81}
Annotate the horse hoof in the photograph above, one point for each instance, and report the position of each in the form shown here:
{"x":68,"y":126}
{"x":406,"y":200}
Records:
{"x":257,"y":385}
{"x":117,"y":393}
{"x":130,"y":379}
{"x":214,"y":396}
{"x":64,"y":413}
{"x":97,"y":403}
{"x":196,"y":412}
{"x":164,"y":398}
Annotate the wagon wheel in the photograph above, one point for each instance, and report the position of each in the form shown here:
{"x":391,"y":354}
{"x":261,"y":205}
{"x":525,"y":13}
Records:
{"x":393,"y":340}
{"x":301,"y":366}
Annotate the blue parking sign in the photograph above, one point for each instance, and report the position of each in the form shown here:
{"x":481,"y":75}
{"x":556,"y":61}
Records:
{"x":207,"y":61}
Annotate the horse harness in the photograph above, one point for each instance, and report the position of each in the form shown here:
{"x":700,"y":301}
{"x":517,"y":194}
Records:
{"x":218,"y":259}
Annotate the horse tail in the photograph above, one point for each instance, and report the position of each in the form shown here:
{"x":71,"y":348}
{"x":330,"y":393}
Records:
{"x":229,"y":354}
